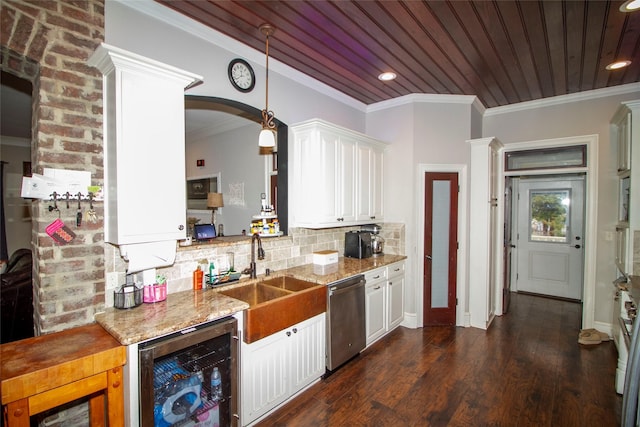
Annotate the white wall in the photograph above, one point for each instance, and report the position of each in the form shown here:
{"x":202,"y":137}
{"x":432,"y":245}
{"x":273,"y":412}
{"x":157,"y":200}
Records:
{"x":235,"y":156}
{"x":580,"y":117}
{"x":422,"y":130}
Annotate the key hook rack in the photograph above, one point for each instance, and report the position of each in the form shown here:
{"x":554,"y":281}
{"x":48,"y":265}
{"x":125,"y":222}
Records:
{"x":80,"y":197}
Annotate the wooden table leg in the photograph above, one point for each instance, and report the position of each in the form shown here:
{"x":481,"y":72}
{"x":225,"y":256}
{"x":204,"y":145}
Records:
{"x":115,"y":397}
{"x":17,"y":413}
{"x":96,"y":410}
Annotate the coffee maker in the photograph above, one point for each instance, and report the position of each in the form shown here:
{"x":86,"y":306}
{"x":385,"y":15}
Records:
{"x":377,"y":241}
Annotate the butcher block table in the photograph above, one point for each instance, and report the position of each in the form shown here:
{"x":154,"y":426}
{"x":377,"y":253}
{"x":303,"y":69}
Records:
{"x":44,"y":372}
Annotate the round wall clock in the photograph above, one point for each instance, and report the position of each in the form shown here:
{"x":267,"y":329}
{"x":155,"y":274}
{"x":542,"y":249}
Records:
{"x":241,"y":75}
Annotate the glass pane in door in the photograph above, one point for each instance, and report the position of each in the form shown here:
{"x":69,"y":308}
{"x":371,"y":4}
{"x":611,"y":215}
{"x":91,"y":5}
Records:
{"x":440,"y":245}
{"x":549,"y":215}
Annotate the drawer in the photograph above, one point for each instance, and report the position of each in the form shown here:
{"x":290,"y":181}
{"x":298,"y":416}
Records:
{"x":396,"y":269}
{"x":375,"y":275}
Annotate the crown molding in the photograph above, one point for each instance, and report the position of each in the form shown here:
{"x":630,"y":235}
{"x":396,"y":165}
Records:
{"x":564,"y":99}
{"x":415,"y":98}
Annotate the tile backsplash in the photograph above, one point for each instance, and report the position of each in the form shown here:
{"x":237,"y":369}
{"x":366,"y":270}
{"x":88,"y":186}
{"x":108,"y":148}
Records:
{"x":280,"y":253}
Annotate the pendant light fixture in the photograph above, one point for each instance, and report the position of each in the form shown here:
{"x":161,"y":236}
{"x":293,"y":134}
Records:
{"x":268,"y":133}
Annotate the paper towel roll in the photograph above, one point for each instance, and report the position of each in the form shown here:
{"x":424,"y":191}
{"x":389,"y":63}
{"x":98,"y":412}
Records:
{"x":143,"y":256}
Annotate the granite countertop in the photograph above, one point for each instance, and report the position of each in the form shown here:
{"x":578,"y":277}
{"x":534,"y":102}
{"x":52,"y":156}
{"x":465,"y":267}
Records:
{"x":346,"y":267}
{"x":179,"y":311}
{"x":189,"y":308}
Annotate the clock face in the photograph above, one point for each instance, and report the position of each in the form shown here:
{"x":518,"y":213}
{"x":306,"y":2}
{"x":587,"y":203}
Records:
{"x":241,"y":75}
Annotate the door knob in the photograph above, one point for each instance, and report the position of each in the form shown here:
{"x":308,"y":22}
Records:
{"x":428,"y":257}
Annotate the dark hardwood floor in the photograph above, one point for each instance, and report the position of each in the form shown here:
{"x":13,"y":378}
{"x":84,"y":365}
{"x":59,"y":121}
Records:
{"x":527,"y":370}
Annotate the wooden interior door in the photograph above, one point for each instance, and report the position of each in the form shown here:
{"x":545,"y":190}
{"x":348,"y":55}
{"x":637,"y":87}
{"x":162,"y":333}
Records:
{"x":440,"y":248}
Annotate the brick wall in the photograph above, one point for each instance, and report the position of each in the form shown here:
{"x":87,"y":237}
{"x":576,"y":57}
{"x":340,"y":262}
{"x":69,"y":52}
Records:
{"x":48,"y":43}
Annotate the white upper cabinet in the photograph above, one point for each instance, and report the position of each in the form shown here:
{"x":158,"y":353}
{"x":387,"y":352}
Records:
{"x":337,"y":176}
{"x":144,"y":157}
{"x":625,"y":134}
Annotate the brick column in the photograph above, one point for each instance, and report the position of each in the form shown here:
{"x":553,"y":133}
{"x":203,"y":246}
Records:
{"x":48,"y":43}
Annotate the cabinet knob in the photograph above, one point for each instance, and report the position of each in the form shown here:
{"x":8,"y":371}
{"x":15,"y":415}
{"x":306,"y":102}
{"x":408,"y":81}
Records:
{"x":376,"y":288}
{"x":288,"y":333}
{"x":181,"y":227}
{"x":295,"y":330}
{"x":390,"y":283}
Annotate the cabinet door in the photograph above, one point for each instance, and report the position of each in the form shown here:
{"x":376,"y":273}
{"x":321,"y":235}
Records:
{"x":375,"y":311}
{"x":395,"y":301}
{"x":265,"y":375}
{"x":307,"y":352}
{"x":149,"y":119}
{"x":346,"y":188}
{"x":377,"y":192}
{"x":624,"y":143}
{"x":369,"y":181}
{"x":364,"y":182}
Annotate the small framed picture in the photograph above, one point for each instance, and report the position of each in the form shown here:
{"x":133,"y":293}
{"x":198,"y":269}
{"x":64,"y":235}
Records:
{"x":197,"y":188}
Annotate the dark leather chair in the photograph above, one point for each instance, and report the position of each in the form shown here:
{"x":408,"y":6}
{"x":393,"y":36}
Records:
{"x":16,"y":297}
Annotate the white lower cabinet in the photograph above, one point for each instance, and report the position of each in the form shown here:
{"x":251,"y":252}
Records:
{"x":374,"y":306}
{"x":280,"y":365}
{"x":395,"y":295}
{"x":384,"y":300}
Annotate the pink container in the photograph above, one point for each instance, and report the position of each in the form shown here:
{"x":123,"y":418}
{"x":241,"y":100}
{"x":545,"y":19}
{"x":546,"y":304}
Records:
{"x":155,"y":293}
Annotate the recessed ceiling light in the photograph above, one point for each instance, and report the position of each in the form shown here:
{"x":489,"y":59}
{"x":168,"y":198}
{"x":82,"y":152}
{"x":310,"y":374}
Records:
{"x":630,"y":6}
{"x":617,"y":65}
{"x":385,"y":77}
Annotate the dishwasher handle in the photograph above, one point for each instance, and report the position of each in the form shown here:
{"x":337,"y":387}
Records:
{"x":346,"y":287}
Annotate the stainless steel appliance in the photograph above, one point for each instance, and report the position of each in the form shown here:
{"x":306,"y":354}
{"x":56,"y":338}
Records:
{"x":346,"y":333}
{"x":190,"y":376}
{"x":377,"y":241}
{"x":357,"y":244}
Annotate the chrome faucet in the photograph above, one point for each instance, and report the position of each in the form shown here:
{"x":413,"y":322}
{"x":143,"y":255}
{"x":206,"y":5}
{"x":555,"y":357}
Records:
{"x":252,"y":267}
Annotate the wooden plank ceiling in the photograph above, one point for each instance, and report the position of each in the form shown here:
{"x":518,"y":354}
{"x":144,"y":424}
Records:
{"x":503,"y":52}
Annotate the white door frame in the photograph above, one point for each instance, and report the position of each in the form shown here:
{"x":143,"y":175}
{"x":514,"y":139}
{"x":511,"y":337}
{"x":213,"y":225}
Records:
{"x":590,"y":220}
{"x":462,"y":316}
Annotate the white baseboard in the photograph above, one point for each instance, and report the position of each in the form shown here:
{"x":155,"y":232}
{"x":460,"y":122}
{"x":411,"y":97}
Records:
{"x":410,"y":321}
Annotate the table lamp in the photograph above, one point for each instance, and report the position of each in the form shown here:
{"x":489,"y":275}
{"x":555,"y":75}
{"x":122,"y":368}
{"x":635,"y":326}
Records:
{"x":214,"y":201}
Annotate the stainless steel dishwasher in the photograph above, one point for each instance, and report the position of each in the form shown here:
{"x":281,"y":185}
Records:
{"x":346,"y":332}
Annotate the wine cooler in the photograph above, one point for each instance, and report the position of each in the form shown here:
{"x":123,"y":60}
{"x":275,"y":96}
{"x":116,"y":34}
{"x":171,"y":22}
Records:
{"x":190,"y":378}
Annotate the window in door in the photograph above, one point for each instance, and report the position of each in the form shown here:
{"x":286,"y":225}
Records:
{"x":549,"y":215}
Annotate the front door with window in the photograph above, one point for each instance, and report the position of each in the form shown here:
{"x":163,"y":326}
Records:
{"x":549,"y":236}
